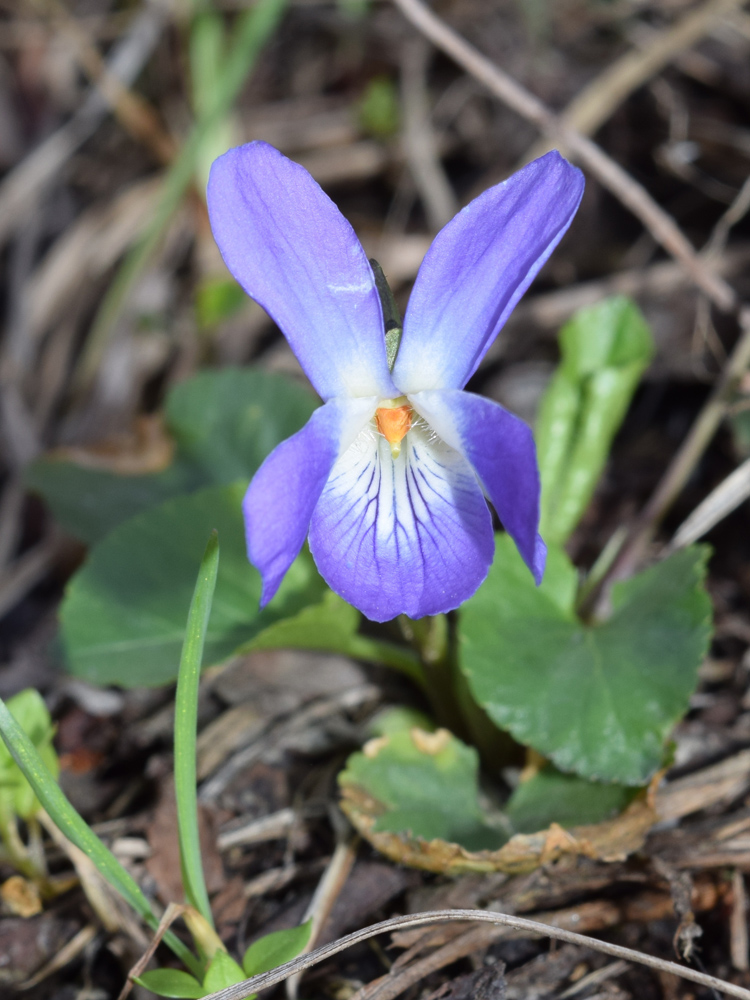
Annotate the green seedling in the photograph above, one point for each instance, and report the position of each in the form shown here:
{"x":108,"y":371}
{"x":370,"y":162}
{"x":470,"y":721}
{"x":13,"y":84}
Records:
{"x":17,"y":798}
{"x":605,"y":350}
{"x":28,"y":769}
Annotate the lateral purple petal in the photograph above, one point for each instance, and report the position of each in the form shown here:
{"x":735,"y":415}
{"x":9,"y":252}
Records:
{"x":406,"y":536}
{"x":478,"y":268}
{"x":292,"y":251}
{"x":501,"y":450}
{"x":280,"y":500}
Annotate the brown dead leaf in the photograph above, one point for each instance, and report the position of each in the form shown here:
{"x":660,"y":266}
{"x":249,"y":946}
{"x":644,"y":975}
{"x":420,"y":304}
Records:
{"x":163,"y":863}
{"x":229,"y":904}
{"x":370,"y":886}
{"x":26,"y":945}
{"x":147,"y":448}
{"x":558,"y":841}
{"x":612,"y":840}
{"x":278,"y":681}
{"x":21,"y":896}
{"x":82,"y":760}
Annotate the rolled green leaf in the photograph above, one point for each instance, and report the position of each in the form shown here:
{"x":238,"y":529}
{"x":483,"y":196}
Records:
{"x":185,"y":725}
{"x":605,"y":350}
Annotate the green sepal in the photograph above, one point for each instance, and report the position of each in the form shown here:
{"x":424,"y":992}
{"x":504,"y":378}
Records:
{"x":391,"y":314}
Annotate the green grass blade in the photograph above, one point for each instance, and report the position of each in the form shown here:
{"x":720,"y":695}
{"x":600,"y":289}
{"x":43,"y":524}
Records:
{"x":78,"y":831}
{"x":185,"y":724}
{"x":250,"y":33}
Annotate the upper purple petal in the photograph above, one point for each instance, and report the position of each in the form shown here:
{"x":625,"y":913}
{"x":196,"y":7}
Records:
{"x":500,"y":448}
{"x":280,"y":500}
{"x":411,"y":535}
{"x":477,"y":269}
{"x":291,"y":249}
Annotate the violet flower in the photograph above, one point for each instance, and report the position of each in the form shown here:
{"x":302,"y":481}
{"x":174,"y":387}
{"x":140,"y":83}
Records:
{"x":389,"y":476}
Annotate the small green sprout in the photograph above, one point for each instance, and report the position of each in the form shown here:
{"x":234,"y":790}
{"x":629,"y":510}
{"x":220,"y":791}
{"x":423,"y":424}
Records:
{"x":17,"y":798}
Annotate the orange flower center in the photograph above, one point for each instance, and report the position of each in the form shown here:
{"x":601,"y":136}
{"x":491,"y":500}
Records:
{"x":393,"y":423}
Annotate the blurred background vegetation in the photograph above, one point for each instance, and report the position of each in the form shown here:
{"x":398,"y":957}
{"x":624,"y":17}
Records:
{"x":112,"y":293}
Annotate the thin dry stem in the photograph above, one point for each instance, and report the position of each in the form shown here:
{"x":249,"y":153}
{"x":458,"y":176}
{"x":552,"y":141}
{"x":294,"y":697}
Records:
{"x":635,"y":197}
{"x":327,"y":892}
{"x":420,"y":142}
{"x":133,"y":112}
{"x":532,"y":927}
{"x":738,"y":924}
{"x":77,"y":944}
{"x":636,"y":543}
{"x":600,"y":98}
{"x":23,"y":185}
{"x":172,"y":912}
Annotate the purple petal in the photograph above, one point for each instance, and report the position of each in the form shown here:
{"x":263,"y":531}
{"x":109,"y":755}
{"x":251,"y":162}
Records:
{"x":406,"y":536}
{"x":291,"y":249}
{"x":500,"y":448}
{"x":280,"y":500}
{"x":478,"y":268}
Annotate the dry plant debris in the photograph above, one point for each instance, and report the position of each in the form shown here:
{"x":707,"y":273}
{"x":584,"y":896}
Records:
{"x":653,"y":97}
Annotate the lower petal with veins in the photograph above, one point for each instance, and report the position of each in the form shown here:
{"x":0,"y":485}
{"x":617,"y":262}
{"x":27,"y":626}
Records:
{"x":406,"y":535}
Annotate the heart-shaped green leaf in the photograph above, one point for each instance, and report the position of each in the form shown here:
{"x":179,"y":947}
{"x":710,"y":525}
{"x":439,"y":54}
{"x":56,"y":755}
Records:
{"x":123,"y":617}
{"x":414,"y":795}
{"x":553,"y":797}
{"x":422,"y":784}
{"x":89,"y":503}
{"x":224,"y":424}
{"x":598,"y":700}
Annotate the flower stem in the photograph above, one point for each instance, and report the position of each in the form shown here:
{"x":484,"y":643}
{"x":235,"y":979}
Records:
{"x":388,"y":654}
{"x":431,"y":637}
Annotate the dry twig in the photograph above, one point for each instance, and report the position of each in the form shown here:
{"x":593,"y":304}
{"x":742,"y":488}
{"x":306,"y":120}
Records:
{"x":680,"y":469}
{"x":420,"y":144}
{"x":719,"y":503}
{"x":600,"y":98}
{"x":551,"y":309}
{"x":172,"y":912}
{"x":78,"y":943}
{"x":327,"y":892}
{"x":633,"y":195}
{"x":24,"y":574}
{"x":22,"y":185}
{"x":738,"y":923}
{"x":531,"y":927}
{"x":132,"y":111}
